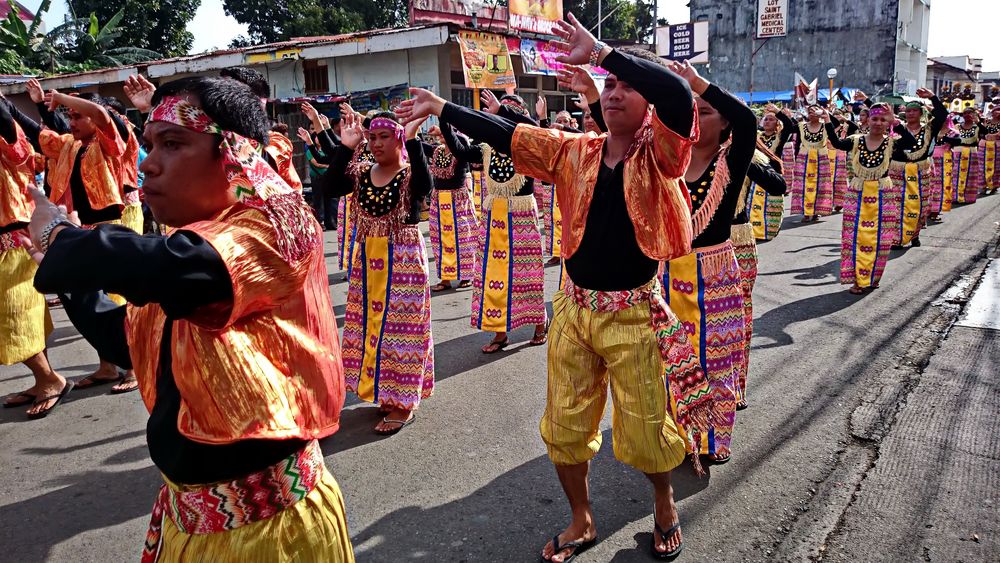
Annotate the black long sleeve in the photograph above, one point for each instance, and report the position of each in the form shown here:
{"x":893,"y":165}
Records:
{"x":840,"y":144}
{"x":55,"y":121}
{"x":597,"y":114}
{"x":421,"y":182}
{"x":32,"y":129}
{"x":788,"y":127}
{"x":181,"y":272}
{"x":336,"y":181}
{"x":906,"y":142}
{"x":7,"y":129}
{"x":670,"y":94}
{"x":459,"y":145}
{"x":939,"y":114}
{"x":767,"y":177}
{"x":494,"y":130}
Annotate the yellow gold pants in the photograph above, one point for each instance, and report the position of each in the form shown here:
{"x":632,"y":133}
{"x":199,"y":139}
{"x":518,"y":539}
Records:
{"x":311,"y":530}
{"x":24,"y":318}
{"x":588,"y":350}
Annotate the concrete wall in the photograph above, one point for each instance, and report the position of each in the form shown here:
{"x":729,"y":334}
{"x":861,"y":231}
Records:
{"x":857,"y":37}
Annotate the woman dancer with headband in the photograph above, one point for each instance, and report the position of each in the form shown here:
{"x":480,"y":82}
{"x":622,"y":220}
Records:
{"x":766,"y":209}
{"x":871,"y":211}
{"x":454,"y":229}
{"x":508,"y":290}
{"x":812,"y":189}
{"x":388,"y":349}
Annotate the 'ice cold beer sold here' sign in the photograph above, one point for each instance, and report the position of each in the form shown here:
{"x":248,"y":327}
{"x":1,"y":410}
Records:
{"x":772,"y":18}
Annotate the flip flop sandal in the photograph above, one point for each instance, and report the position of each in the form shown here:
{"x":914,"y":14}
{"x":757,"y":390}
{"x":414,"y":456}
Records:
{"x":578,"y":548}
{"x":23,"y":398}
{"x":741,"y":405}
{"x":125,"y":380}
{"x":720,"y":460}
{"x":402,"y":424}
{"x":464,"y":284}
{"x":58,"y":397}
{"x":665,"y":555}
{"x":91,"y":381}
{"x":440,"y":287}
{"x":499,"y":345}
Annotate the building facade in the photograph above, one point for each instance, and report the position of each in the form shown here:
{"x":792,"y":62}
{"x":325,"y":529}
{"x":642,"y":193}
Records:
{"x":875,"y":45}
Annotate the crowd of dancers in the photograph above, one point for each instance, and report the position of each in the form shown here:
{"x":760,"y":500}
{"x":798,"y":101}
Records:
{"x":220,"y":315}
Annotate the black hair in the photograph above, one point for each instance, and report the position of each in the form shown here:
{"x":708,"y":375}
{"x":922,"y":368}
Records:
{"x":514,"y":98}
{"x":230,"y":104}
{"x":637,"y":51}
{"x":252,"y":78}
{"x":386,"y":115}
{"x":91,"y":97}
{"x":115,"y":104}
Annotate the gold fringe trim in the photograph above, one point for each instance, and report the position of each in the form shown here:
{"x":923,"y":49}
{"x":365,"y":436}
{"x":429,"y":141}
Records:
{"x":742,"y":234}
{"x":900,"y":167}
{"x":921,"y":152}
{"x":805,"y":146}
{"x":741,"y":205}
{"x":715,"y":259}
{"x":515,"y":203}
{"x":713,"y":198}
{"x":863,"y":173}
{"x":858,"y":184}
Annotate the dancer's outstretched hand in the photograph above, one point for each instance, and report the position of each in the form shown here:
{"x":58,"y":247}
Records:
{"x":352,"y":131}
{"x":576,"y":41}
{"x":412,"y":128}
{"x":421,"y":104}
{"x":579,"y":80}
{"x":139,"y":90}
{"x":489,"y":102}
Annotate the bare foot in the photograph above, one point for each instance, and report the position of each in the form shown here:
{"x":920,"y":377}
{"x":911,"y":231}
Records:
{"x":578,"y":531}
{"x":665,"y":516}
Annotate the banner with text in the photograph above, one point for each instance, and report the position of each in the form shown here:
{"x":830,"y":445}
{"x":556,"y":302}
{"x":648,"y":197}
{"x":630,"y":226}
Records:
{"x":485,"y":60}
{"x":772,"y":18}
{"x":686,"y":41}
{"x":536,"y":16}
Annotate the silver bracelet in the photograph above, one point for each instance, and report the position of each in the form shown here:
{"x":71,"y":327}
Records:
{"x":47,"y":231}
{"x":595,"y":52}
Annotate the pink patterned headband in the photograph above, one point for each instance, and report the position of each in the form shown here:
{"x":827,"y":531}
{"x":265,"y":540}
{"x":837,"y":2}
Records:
{"x":390,"y":125}
{"x":877,"y":110}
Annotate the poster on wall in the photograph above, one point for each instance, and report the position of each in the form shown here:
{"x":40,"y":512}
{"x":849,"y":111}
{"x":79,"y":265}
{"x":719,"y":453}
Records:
{"x":536,"y":16}
{"x":772,"y":18}
{"x":539,"y":58}
{"x":485,"y":60}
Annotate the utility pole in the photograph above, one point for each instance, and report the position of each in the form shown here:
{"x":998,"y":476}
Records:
{"x":599,"y":20}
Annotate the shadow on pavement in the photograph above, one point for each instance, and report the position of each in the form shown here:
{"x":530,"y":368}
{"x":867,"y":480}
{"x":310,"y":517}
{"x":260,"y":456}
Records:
{"x":771,"y":325}
{"x":827,"y":271}
{"x":512,"y":517}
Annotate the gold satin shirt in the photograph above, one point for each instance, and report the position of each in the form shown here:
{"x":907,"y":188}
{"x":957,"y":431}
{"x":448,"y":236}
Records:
{"x":16,"y":174}
{"x":100,"y":167}
{"x":658,"y":203}
{"x":281,"y":150}
{"x":265,"y":366}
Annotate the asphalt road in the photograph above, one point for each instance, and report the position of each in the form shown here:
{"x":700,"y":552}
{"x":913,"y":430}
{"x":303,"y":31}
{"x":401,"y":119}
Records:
{"x":830,"y":378}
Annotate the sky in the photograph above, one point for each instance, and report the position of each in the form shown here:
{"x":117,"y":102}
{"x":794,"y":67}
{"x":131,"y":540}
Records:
{"x":952,"y":31}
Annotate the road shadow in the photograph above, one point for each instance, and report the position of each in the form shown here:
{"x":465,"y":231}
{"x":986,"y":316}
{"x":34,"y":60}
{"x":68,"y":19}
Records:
{"x":512,"y":517}
{"x":91,"y":500}
{"x":828,"y":272}
{"x":464,"y":353}
{"x":772,"y":324}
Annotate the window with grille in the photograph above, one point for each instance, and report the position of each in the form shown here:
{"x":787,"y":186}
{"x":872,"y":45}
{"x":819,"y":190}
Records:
{"x":317,"y":77}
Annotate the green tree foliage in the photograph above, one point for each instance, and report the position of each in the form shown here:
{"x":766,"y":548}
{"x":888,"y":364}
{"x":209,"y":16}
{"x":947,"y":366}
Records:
{"x":269,"y":21}
{"x":156,"y":25}
{"x":628,"y":20}
{"x":76,"y":45}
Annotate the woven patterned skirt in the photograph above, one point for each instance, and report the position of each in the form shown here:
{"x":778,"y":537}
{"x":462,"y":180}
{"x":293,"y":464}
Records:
{"x":454,"y":233}
{"x":746,"y":256}
{"x":871,"y":219}
{"x":991,"y":166}
{"x":509,"y":287}
{"x":132,"y":213}
{"x":478,"y":192}
{"x":552,"y":221}
{"x":911,"y":184}
{"x":838,"y":163}
{"x":388,"y":349}
{"x":942,"y":180}
{"x":812,"y":187}
{"x":968,"y":172}
{"x":705,"y":290}
{"x":346,"y":234}
{"x":766,"y":212}
{"x":25,"y":322}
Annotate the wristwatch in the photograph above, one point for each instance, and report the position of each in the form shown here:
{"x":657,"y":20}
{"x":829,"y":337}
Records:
{"x":595,"y":52}
{"x":47,"y":231}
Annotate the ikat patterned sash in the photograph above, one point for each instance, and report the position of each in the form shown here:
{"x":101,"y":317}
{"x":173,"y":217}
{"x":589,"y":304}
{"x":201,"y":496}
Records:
{"x":227,"y":506}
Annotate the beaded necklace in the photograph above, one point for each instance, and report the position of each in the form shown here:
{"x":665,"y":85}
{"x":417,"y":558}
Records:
{"x":443,"y":163}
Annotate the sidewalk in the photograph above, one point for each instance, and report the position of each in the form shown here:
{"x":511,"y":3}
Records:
{"x":933,"y":493}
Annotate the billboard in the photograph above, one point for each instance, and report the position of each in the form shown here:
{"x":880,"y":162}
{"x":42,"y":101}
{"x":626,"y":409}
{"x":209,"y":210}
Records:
{"x":485,"y":60}
{"x":536,"y":16}
{"x":686,"y":41}
{"x":772,"y":18}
